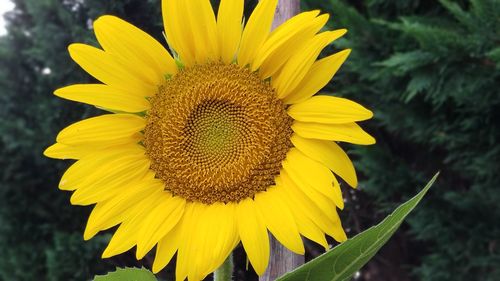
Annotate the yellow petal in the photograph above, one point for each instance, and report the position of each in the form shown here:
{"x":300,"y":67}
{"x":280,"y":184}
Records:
{"x":229,"y":28}
{"x":329,"y":110}
{"x":178,"y":30}
{"x":349,"y":132}
{"x":319,"y":75}
{"x":159,"y":222}
{"x":221,"y":220}
{"x":256,"y":31}
{"x":305,"y":224}
{"x":253,"y":233}
{"x":202,"y":28}
{"x":339,"y":234}
{"x":215,"y":236}
{"x":313,"y":203}
{"x":279,"y":219}
{"x":110,"y":70}
{"x":329,"y":154}
{"x":120,"y":207}
{"x":125,"y":236}
{"x":109,"y":128}
{"x":300,"y":63}
{"x":188,"y":262}
{"x":64,"y":151}
{"x":309,"y":173}
{"x":104,"y":96}
{"x":285,"y":40}
{"x":184,"y":258}
{"x":140,"y":49}
{"x":166,"y":249}
{"x":109,"y":179}
{"x":337,"y":195}
{"x":320,"y":209}
{"x":97,"y":162}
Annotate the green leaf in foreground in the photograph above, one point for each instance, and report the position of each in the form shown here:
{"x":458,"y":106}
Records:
{"x":343,"y":261}
{"x":127,"y":274}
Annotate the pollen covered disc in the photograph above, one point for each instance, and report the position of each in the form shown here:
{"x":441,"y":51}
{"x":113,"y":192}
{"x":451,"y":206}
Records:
{"x":217,"y":133}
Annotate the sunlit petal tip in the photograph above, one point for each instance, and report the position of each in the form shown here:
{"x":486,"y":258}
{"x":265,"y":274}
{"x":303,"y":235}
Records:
{"x":89,"y":233}
{"x":342,"y":55}
{"x":339,"y":234}
{"x":370,"y":140}
{"x":99,"y":21}
{"x":106,"y":254}
{"x":74,"y":200}
{"x":49,"y":151}
{"x":58,"y":91}
{"x":75,"y":48}
{"x":157,"y":268}
{"x":140,"y":253}
{"x":339,"y":32}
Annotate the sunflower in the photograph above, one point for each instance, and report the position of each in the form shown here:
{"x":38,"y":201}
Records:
{"x":218,"y":143}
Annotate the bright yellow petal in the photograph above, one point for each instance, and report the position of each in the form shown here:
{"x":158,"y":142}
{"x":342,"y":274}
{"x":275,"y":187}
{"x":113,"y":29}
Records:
{"x":349,"y":132}
{"x":82,"y":170}
{"x":123,"y":205}
{"x":159,"y":222}
{"x":253,"y":234}
{"x":329,"y":110}
{"x":222,"y":232}
{"x":309,"y":173}
{"x":106,"y":129}
{"x":337,"y":195}
{"x":104,"y":96}
{"x":319,"y":75}
{"x":109,"y":178}
{"x":256,"y":31}
{"x":279,"y":219}
{"x":166,"y":248}
{"x":111,"y":70}
{"x":329,"y":154}
{"x":300,"y":63}
{"x":305,"y":224}
{"x":285,"y":40}
{"x":315,"y":205}
{"x":214,"y":236}
{"x":188,"y":263}
{"x":282,"y":34}
{"x":203,"y":29}
{"x":178,"y":30}
{"x":185,"y":229}
{"x":137,"y":47}
{"x":125,"y":236}
{"x":229,"y":28}
{"x":64,"y":151}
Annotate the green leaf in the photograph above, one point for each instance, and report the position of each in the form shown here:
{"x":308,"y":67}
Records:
{"x":343,"y":261}
{"x":127,"y":274}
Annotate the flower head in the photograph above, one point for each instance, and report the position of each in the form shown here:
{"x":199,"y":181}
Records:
{"x":219,"y":144}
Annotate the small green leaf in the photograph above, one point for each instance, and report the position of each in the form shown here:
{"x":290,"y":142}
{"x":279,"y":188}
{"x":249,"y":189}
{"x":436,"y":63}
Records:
{"x":127,"y":274}
{"x":343,"y":261}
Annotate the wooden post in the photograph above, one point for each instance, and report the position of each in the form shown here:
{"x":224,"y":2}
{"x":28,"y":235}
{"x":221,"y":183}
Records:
{"x":282,"y":260}
{"x":285,"y":10}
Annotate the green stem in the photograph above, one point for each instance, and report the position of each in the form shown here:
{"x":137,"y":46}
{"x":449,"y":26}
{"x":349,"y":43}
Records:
{"x":225,"y":271}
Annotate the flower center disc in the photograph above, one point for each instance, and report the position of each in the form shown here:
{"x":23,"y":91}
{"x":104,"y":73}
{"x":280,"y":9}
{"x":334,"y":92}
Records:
{"x":217,"y":133}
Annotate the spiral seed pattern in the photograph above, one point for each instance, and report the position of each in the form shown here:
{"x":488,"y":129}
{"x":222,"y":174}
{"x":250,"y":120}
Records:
{"x":217,"y":133}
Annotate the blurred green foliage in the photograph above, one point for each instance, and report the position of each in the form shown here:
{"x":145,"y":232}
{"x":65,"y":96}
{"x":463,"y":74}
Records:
{"x":429,"y":70}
